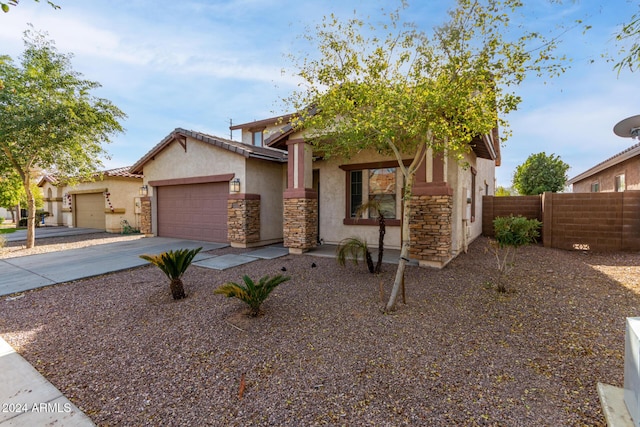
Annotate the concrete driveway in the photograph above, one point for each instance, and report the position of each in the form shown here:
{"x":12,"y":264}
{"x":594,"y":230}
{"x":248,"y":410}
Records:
{"x":35,"y":271}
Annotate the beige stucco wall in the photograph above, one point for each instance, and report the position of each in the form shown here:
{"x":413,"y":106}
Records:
{"x":464,"y":229}
{"x":268,"y":180}
{"x":199,"y":159}
{"x":53,"y":204}
{"x":122,"y":195}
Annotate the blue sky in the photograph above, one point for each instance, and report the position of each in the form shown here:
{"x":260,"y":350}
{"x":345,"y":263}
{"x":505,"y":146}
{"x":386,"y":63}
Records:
{"x":196,"y":64}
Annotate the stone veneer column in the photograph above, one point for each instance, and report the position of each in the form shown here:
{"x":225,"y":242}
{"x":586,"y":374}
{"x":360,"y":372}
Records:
{"x":145,"y":215}
{"x":300,"y":227}
{"x":430,"y":229}
{"x":243,"y":219}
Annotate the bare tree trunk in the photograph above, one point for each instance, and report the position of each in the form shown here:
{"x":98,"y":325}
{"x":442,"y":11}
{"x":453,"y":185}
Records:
{"x":31,"y":213}
{"x":381,"y":232}
{"x":404,"y":252}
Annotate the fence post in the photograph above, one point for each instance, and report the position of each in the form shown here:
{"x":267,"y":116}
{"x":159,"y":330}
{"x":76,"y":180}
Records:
{"x":487,"y":215}
{"x":547,"y":218}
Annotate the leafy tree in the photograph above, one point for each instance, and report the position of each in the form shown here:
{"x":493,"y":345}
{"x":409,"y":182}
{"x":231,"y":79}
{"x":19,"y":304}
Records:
{"x":11,"y":192}
{"x":631,"y":56}
{"x":502,"y":191}
{"x":49,"y":119}
{"x":403,"y":92}
{"x":174,"y":264}
{"x":540,"y":173}
{"x":5,"y":6}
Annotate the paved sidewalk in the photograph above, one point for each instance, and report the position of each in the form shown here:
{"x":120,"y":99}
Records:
{"x":28,"y":399}
{"x":44,"y":232}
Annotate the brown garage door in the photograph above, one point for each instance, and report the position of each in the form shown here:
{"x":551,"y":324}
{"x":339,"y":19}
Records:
{"x":193,"y":211}
{"x":89,"y":210}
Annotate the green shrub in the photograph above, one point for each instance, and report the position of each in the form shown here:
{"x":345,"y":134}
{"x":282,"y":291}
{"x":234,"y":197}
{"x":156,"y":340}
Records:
{"x":354,"y":248}
{"x":253,"y":294}
{"x":511,"y":232}
{"x":174,"y":264}
{"x":3,"y":242}
{"x":516,"y":231}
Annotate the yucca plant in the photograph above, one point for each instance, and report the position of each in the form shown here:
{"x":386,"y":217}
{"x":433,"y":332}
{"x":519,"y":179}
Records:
{"x":174,"y":264}
{"x":354,"y":248}
{"x":254,"y":294}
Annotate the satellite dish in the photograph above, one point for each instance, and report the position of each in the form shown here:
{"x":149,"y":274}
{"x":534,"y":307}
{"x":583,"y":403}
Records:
{"x":628,"y":128}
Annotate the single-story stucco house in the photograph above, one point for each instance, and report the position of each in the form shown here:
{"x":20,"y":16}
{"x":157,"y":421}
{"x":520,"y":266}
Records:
{"x":320,"y":196}
{"x":207,"y":188}
{"x":103,"y":203}
{"x":617,"y":173}
{"x":271,"y":187}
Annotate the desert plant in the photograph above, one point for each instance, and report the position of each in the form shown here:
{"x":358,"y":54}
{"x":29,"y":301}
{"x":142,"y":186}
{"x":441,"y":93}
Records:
{"x":174,"y":264}
{"x":254,"y":294}
{"x":354,"y":248}
{"x":511,"y":232}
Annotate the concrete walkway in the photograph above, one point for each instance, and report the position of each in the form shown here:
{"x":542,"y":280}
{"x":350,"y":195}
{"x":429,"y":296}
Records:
{"x":28,"y":399}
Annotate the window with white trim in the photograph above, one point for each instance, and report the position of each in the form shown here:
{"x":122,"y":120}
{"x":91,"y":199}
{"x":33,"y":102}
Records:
{"x":619,"y":183}
{"x":257,"y":138}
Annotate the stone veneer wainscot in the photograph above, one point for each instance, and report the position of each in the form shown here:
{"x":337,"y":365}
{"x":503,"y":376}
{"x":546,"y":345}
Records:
{"x":243,"y":216}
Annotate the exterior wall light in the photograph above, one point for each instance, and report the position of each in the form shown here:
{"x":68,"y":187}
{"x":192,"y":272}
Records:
{"x":144,"y":191}
{"x":235,"y":185}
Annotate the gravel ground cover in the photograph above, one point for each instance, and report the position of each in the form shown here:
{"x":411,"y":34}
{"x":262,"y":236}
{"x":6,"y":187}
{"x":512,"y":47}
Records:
{"x":458,"y":353}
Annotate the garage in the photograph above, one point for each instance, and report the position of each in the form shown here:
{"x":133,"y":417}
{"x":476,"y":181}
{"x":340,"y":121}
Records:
{"x":193,"y":211}
{"x":89,"y":209}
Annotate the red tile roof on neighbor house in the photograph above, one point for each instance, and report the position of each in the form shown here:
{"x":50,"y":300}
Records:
{"x":123,"y":172}
{"x":630,"y":152}
{"x":265,"y":153}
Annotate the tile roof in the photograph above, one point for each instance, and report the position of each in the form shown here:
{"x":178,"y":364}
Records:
{"x":630,"y":152}
{"x":123,"y":172}
{"x":265,"y":153}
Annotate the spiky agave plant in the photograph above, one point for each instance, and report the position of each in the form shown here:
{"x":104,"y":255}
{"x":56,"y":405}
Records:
{"x":174,"y":264}
{"x":354,"y":248}
{"x":253,"y":294}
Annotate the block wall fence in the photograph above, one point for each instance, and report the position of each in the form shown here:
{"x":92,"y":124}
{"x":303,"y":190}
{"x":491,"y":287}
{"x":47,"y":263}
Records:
{"x":600,"y":222}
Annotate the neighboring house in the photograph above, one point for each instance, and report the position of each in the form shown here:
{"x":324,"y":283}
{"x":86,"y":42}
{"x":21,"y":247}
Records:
{"x":618,"y":173}
{"x":5,"y":214}
{"x":202,"y":187}
{"x":321,"y":196}
{"x":103,"y":203}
